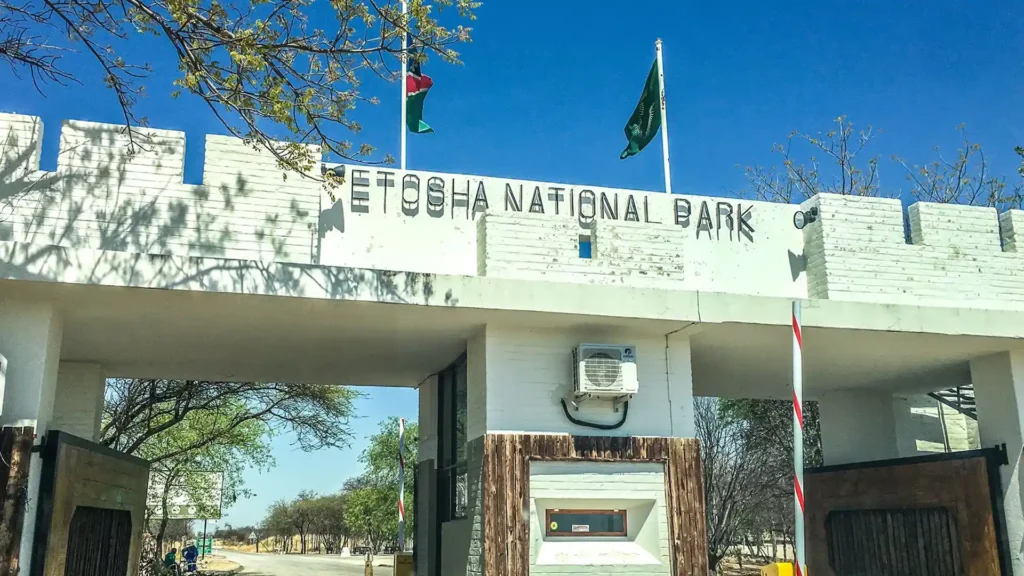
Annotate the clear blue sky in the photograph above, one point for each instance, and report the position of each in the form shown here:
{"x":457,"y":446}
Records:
{"x":547,"y":86}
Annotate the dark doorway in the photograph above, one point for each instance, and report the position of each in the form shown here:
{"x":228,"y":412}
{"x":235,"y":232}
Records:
{"x":99,"y":542}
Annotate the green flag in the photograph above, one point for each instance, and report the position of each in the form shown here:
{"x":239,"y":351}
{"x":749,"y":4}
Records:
{"x":646,"y":118}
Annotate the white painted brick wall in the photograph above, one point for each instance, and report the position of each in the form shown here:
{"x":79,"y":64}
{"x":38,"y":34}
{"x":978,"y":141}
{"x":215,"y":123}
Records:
{"x":528,"y":371}
{"x":99,"y":197}
{"x":546,"y":247}
{"x":78,"y":404}
{"x":1011,"y":227}
{"x":600,"y":485}
{"x":857,"y":251}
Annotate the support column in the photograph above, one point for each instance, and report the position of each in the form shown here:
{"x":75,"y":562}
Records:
{"x":78,"y":407}
{"x":857,"y":427}
{"x":30,"y":339}
{"x":426,"y":481}
{"x":999,"y":392}
{"x":679,"y":386}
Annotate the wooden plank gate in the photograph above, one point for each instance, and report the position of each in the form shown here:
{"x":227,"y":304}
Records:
{"x":935,"y":515}
{"x":92,"y":504}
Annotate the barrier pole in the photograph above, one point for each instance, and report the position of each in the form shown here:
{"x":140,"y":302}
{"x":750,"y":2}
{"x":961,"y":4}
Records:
{"x":798,"y":440}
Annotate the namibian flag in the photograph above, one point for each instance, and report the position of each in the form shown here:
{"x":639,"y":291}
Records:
{"x":416,"y":86}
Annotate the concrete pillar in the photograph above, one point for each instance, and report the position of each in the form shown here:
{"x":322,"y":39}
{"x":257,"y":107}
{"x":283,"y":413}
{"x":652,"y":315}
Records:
{"x":78,"y":407}
{"x":999,"y":392}
{"x":426,"y":483}
{"x":857,"y":427}
{"x":30,"y":339}
{"x":679,"y":386}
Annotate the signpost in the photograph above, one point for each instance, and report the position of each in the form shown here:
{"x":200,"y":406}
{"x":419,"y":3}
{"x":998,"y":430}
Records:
{"x":194,"y":496}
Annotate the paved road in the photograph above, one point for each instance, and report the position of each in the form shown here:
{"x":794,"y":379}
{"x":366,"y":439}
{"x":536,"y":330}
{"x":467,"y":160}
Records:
{"x":299,"y":565}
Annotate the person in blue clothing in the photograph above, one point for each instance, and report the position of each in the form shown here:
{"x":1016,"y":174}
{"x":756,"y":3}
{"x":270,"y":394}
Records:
{"x":191,"y":554}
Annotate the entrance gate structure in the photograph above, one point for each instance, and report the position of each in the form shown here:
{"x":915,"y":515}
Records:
{"x":937,"y":515}
{"x":115,"y":266}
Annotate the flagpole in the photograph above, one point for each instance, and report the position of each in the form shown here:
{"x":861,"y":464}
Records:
{"x":664,"y":118}
{"x":405,"y":68}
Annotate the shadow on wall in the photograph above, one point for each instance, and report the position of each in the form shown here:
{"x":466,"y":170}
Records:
{"x":103,"y":197}
{"x":245,"y":229}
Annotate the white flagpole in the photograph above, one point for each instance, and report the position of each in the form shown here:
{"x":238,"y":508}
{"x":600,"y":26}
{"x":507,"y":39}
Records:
{"x":664,"y":118}
{"x":405,"y":71}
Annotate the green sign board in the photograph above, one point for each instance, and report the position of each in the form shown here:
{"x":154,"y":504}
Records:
{"x":205,"y":546}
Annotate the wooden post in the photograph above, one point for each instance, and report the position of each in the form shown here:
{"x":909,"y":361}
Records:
{"x":16,"y":455}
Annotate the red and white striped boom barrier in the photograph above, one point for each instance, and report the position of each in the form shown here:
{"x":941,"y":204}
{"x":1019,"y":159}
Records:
{"x":798,"y":440}
{"x":401,"y":484}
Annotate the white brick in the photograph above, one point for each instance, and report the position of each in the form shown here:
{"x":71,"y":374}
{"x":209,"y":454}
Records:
{"x":99,"y":197}
{"x":857,"y":251}
{"x":528,"y":371}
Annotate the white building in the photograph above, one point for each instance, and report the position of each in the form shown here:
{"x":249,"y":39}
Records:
{"x":476,"y":290}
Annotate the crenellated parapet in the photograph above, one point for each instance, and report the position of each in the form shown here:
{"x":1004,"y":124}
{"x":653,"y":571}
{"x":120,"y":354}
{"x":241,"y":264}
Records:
{"x":863,"y":249}
{"x":101,"y":196}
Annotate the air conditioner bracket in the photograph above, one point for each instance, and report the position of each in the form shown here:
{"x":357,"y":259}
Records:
{"x":576,"y":400}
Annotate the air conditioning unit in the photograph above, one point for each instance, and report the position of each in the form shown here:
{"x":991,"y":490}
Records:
{"x":604,"y":371}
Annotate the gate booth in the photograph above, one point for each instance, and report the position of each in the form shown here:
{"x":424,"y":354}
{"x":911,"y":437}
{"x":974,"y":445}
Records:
{"x":935,"y":515}
{"x":92,"y":503}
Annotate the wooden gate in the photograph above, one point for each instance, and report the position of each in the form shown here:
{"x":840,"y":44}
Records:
{"x":92,"y":502}
{"x":936,"y":515}
{"x":99,"y":542}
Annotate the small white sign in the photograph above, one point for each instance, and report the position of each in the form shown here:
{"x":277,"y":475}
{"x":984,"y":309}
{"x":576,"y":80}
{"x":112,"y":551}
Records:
{"x":581,"y":527}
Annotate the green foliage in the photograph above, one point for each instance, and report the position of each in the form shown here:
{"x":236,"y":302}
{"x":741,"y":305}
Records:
{"x":771,"y":426}
{"x":186,"y":428}
{"x":282,"y":75}
{"x":139,"y":415}
{"x":371,"y":513}
{"x":381,"y":457}
{"x":365,"y":511}
{"x":371,"y":510}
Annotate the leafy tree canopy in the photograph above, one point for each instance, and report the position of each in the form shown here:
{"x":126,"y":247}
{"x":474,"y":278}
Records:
{"x":280,"y":74}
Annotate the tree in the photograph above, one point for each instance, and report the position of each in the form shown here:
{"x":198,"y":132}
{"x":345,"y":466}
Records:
{"x":187,"y":427}
{"x":964,"y":179}
{"x":185,"y":473}
{"x":843,"y":173}
{"x":735,"y":491}
{"x":140,"y":414}
{"x":771,"y":426}
{"x":329,"y":522}
{"x":372,"y":498}
{"x":302,"y":514}
{"x":280,"y":75}
{"x":259,"y":531}
{"x":381,"y":456}
{"x":279,"y":524}
{"x":371,"y":514}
